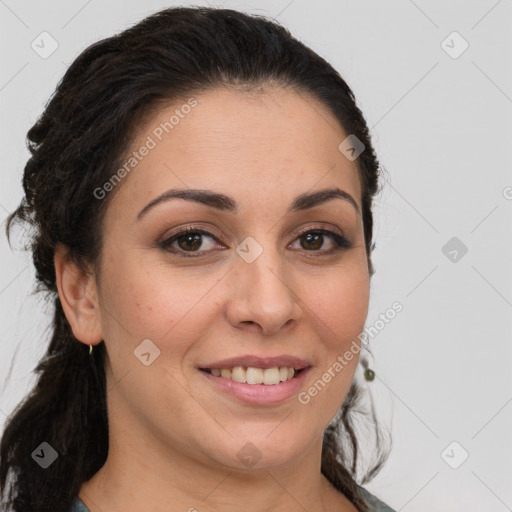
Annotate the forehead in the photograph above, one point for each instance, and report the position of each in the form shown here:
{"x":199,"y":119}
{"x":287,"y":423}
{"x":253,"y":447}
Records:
{"x":261,"y":146}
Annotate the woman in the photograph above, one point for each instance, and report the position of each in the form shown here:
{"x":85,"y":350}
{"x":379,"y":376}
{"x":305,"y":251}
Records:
{"x":200,"y":187}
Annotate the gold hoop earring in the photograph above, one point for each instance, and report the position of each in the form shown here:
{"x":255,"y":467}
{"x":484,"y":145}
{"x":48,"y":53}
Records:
{"x":90,"y":350}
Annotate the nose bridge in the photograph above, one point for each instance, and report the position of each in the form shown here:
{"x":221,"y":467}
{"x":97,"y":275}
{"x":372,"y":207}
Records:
{"x":262,"y":291}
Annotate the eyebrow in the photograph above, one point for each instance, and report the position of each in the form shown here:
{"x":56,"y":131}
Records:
{"x":225,"y":203}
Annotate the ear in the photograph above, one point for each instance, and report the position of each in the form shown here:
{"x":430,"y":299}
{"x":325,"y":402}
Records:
{"x":79,"y":297}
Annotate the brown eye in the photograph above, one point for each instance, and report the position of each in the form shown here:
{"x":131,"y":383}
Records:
{"x":313,"y":240}
{"x":189,"y":240}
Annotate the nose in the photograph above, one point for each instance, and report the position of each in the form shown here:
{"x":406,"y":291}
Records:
{"x":262,"y":295}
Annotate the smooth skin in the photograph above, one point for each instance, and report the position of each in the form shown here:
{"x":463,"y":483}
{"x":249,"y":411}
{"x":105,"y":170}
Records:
{"x":174,"y":437}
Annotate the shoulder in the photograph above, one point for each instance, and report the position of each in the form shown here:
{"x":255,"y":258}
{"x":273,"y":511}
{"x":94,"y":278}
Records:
{"x":79,"y":506}
{"x":374,"y":504}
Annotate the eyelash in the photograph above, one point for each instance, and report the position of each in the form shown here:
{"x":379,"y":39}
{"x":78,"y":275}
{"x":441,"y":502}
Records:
{"x":340,"y":241}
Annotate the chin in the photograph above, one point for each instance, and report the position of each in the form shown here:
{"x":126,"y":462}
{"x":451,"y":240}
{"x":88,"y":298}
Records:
{"x":265,"y":450}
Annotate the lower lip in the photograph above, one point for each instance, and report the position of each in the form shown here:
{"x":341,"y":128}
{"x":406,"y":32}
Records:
{"x":259,"y":394}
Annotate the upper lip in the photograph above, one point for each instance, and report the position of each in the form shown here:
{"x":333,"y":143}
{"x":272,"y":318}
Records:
{"x":259,"y":362}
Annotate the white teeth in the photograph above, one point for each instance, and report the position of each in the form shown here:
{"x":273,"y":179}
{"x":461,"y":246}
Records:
{"x":225,"y":373}
{"x":252,"y":375}
{"x":271,"y":376}
{"x":238,"y":374}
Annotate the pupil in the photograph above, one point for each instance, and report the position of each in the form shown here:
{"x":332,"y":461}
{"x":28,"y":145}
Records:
{"x":196,"y":238}
{"x":316,"y":237}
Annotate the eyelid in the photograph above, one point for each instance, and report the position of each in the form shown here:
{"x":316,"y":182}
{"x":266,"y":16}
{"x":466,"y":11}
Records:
{"x":321,"y":227}
{"x":335,"y":233}
{"x":181,"y":230}
{"x":211,"y":230}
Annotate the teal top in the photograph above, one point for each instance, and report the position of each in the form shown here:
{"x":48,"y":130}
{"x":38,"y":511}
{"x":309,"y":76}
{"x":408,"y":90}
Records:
{"x":374,"y":504}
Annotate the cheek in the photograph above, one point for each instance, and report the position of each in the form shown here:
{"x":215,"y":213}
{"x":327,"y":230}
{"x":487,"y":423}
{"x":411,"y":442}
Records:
{"x":340,"y":307}
{"x":151,"y":300}
{"x":341,"y":302}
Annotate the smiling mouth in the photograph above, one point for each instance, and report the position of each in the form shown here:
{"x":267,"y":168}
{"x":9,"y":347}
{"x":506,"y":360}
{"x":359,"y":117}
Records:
{"x":253,"y":375}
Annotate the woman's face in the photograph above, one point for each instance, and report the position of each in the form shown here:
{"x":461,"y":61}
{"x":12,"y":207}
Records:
{"x":255,"y":290}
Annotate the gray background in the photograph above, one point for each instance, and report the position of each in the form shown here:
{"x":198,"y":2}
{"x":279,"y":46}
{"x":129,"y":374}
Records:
{"x":442,"y":128}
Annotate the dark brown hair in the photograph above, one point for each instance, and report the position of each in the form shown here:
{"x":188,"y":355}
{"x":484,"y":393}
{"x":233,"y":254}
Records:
{"x":75,"y":145}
